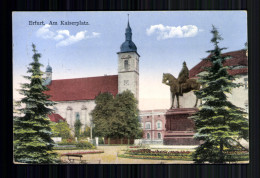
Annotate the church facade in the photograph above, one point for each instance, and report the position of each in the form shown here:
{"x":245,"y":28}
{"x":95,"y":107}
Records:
{"x":75,"y":98}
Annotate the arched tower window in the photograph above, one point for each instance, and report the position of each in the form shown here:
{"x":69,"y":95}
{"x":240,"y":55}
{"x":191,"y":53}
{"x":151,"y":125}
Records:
{"x":126,"y":65}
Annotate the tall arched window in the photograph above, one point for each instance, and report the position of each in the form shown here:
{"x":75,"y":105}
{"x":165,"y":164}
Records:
{"x":84,"y":114}
{"x":147,"y":125}
{"x":159,"y":125}
{"x":69,"y":116}
{"x":126,"y":65}
{"x":77,"y":116}
{"x":148,"y":136}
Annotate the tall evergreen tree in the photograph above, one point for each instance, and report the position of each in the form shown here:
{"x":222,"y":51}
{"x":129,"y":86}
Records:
{"x":77,"y":127}
{"x":219,"y":123}
{"x":32,"y":132}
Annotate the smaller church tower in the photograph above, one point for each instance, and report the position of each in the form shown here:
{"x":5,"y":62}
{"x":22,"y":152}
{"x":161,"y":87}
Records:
{"x":48,"y":74}
{"x":128,"y":65}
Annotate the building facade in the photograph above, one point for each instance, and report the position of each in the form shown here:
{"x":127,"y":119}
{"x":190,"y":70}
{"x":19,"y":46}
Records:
{"x":75,"y":98}
{"x":153,"y":125}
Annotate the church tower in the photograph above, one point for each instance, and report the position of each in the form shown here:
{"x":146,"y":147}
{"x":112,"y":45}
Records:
{"x":48,"y":75}
{"x":128,"y":65}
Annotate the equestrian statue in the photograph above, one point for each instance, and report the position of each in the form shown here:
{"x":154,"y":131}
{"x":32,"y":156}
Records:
{"x":180,"y":85}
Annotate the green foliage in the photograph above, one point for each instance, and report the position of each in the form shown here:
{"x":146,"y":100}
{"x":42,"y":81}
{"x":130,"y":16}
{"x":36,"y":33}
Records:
{"x":116,"y":117}
{"x":32,"y":132}
{"x":77,"y":127}
{"x":86,"y":132}
{"x":85,"y":145}
{"x":61,"y":129}
{"x":102,"y":114}
{"x":218,"y":121}
{"x":100,"y":140}
{"x":68,"y":141}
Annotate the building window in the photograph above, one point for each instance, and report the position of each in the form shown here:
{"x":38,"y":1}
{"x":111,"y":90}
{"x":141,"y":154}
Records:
{"x":159,"y":125}
{"x":159,"y":136}
{"x":126,"y":65}
{"x":148,"y":125}
{"x":147,"y":116}
{"x":246,"y":83}
{"x":77,"y":116}
{"x":148,"y":135}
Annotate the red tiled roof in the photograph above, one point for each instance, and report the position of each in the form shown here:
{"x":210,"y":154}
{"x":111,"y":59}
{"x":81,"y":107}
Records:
{"x":238,"y":71}
{"x":55,"y":117}
{"x":82,"y":88}
{"x":238,"y":58}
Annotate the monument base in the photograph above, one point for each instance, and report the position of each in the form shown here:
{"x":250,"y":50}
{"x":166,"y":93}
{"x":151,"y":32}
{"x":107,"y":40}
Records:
{"x":179,"y":138}
{"x":179,"y":128}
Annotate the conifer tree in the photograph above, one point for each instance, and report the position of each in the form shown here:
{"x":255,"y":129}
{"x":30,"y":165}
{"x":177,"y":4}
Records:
{"x":32,"y":132}
{"x":219,"y":123}
{"x":77,"y":127}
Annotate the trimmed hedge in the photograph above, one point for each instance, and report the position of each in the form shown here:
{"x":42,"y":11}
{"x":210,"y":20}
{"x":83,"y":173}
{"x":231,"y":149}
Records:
{"x":176,"y":155}
{"x":85,"y":144}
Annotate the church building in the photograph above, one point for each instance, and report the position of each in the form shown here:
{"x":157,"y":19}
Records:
{"x":75,"y":97}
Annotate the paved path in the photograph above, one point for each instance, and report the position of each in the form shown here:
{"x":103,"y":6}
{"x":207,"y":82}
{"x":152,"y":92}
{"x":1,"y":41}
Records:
{"x":110,"y":156}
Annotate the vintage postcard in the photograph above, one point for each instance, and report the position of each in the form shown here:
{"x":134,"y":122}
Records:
{"x":130,"y":87}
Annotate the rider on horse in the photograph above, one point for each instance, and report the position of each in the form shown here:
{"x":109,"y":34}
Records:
{"x":183,"y":76}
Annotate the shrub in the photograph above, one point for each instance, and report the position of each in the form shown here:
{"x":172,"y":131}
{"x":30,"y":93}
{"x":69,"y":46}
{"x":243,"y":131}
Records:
{"x":85,"y":144}
{"x":67,"y":142}
{"x":61,"y":129}
{"x":100,"y":140}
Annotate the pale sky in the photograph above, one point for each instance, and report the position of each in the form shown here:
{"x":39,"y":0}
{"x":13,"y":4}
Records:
{"x":164,"y":39}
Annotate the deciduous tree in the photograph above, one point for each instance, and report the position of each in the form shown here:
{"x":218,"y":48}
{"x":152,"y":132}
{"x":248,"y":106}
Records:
{"x":116,"y":117}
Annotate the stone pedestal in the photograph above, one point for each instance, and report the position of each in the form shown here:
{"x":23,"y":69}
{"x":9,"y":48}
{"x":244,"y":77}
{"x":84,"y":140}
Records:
{"x":179,"y":128}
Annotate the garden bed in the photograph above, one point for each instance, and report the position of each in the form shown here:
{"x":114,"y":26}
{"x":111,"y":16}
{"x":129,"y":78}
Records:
{"x":83,"y":152}
{"x":176,"y":155}
{"x":70,"y":148}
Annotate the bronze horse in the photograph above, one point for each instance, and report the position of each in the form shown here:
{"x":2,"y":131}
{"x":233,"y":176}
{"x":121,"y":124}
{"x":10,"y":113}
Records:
{"x":176,"y":87}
